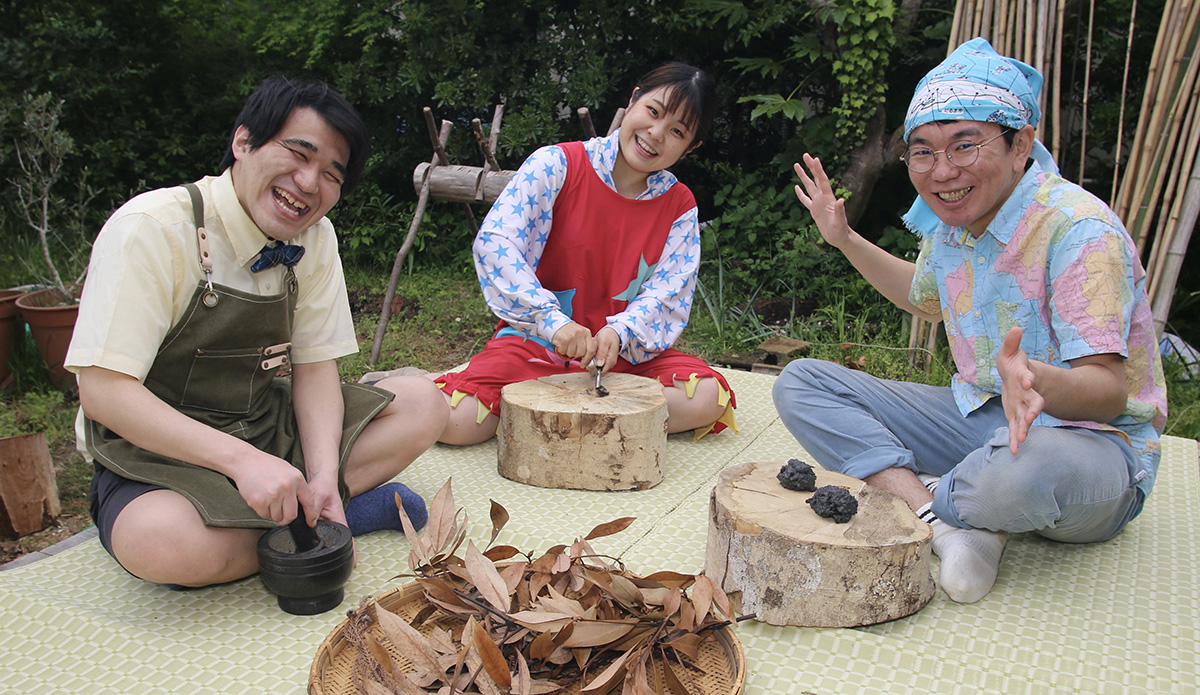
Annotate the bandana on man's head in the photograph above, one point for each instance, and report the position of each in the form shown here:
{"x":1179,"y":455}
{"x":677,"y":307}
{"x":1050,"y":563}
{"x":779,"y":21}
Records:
{"x":975,"y":83}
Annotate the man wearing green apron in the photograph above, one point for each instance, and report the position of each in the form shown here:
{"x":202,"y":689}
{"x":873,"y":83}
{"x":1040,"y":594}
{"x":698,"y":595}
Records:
{"x":196,"y":297}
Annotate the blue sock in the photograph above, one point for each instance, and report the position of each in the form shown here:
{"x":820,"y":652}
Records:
{"x":376,"y":509}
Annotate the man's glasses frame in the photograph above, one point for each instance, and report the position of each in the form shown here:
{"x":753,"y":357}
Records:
{"x":920,"y":160}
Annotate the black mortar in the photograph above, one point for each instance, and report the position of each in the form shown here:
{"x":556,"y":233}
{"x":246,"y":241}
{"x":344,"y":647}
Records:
{"x":306,"y":582}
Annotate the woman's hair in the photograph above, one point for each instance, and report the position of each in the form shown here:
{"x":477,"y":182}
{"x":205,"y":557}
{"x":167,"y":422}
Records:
{"x":691,"y":94}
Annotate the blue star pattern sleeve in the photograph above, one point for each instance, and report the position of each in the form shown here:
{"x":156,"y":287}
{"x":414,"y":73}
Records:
{"x":513,"y":236}
{"x":510,"y":243}
{"x":657,"y":315}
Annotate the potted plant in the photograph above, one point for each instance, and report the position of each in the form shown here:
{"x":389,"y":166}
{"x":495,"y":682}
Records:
{"x":61,"y":230}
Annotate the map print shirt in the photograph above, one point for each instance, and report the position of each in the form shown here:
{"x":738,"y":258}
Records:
{"x":1058,"y":263}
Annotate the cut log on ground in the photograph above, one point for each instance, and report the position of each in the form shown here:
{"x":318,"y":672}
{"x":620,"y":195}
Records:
{"x":793,"y":567}
{"x":557,"y":432}
{"x":28,"y":492}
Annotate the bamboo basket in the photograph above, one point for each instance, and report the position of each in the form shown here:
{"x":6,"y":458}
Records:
{"x":721,"y":658}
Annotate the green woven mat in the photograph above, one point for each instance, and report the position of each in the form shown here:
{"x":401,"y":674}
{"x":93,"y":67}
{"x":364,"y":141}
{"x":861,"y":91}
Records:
{"x":1118,"y":617}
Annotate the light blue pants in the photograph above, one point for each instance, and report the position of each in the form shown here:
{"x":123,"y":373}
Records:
{"x":1066,"y":483}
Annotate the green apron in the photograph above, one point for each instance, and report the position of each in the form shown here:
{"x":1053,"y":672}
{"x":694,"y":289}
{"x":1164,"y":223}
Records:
{"x":218,"y":366}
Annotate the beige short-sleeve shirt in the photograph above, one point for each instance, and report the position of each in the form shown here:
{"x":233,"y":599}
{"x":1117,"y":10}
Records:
{"x":145,"y":268}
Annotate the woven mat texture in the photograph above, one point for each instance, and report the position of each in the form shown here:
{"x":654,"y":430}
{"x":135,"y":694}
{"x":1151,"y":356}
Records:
{"x":1118,"y":617}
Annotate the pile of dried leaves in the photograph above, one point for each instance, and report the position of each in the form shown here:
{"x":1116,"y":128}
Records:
{"x":524,"y":625}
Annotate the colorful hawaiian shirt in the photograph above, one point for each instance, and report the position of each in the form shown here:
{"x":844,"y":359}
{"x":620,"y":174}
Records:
{"x":1057,"y":262}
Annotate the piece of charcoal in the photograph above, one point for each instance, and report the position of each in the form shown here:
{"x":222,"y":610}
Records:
{"x":797,"y":475}
{"x":833,"y":502}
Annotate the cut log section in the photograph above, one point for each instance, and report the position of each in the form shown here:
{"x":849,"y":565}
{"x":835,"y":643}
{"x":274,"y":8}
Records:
{"x":557,"y":432}
{"x":28,"y":492}
{"x":793,"y":567}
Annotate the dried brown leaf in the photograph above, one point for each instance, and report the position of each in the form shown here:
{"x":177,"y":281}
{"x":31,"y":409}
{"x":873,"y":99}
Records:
{"x":441,"y":527}
{"x":609,"y":528}
{"x":666,"y":578}
{"x":671,"y":603}
{"x":419,"y":553}
{"x":486,"y":579}
{"x":541,"y":687}
{"x":524,"y":682}
{"x":500,"y":552}
{"x":493,"y":660}
{"x":438,"y":589}
{"x":581,"y":657}
{"x":625,"y":590}
{"x":560,"y":656}
{"x":596,"y":633}
{"x":540,"y":620}
{"x":655,"y":596}
{"x":609,"y":677}
{"x":702,"y":597}
{"x":688,"y":644}
{"x":542,"y":646}
{"x":379,"y":652}
{"x":721,"y":599}
{"x":686,"y":620}
{"x":374,"y":688}
{"x":499,"y":518}
{"x":544,"y":564}
{"x":408,"y":641}
{"x":673,"y":680}
{"x":512,"y":574}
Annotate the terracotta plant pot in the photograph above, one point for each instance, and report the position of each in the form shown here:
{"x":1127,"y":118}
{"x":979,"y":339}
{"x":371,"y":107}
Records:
{"x":52,"y":326}
{"x":8,"y":326}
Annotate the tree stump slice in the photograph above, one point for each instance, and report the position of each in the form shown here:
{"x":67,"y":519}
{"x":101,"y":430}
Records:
{"x":28,"y":491}
{"x":793,"y":567}
{"x":557,"y":432}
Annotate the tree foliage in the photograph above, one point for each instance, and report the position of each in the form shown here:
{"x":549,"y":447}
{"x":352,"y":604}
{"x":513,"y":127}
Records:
{"x":150,"y":88}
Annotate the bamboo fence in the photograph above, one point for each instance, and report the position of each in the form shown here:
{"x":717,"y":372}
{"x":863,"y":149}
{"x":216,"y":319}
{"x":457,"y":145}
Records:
{"x":1157,"y":191}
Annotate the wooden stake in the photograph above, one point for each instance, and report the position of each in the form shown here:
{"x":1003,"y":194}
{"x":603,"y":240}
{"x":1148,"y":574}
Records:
{"x":385,"y":312}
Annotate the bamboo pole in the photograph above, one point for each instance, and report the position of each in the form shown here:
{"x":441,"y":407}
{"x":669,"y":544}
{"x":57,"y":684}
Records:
{"x":955,"y":26}
{"x":1055,"y":78}
{"x":1129,"y":186}
{"x":1112,"y":197}
{"x":1087,"y":82}
{"x":1183,"y":157}
{"x":1167,"y":123}
{"x":1186,"y":224}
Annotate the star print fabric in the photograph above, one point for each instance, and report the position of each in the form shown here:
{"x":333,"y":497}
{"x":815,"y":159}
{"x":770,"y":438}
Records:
{"x":591,"y":256}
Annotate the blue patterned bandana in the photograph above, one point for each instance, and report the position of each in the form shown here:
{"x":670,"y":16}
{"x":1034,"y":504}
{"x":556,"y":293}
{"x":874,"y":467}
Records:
{"x":975,"y":83}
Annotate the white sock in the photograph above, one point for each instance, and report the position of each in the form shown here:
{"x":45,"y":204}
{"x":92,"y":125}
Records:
{"x":970,"y":560}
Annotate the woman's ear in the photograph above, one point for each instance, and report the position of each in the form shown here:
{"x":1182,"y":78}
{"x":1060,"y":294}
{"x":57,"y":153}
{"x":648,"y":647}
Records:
{"x":633,"y":96}
{"x":693,"y":147}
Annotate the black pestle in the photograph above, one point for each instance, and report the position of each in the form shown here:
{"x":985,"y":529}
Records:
{"x":305,"y":536}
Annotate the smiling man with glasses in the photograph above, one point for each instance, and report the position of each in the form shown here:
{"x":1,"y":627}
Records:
{"x":1052,"y":421}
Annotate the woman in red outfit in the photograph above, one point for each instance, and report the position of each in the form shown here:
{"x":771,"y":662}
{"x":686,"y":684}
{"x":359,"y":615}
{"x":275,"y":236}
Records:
{"x":591,"y":252}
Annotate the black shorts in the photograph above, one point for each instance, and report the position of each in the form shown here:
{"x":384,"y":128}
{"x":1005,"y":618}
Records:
{"x":109,"y":494}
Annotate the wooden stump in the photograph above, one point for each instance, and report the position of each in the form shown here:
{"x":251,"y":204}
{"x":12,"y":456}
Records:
{"x":556,"y":432}
{"x":28,"y":493}
{"x":793,"y":567}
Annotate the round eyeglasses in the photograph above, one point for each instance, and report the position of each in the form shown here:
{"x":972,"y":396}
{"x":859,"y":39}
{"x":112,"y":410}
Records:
{"x":961,"y":153}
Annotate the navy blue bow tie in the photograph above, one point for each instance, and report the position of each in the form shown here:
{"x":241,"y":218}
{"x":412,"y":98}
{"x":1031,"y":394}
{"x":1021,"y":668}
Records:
{"x":287,"y":254}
